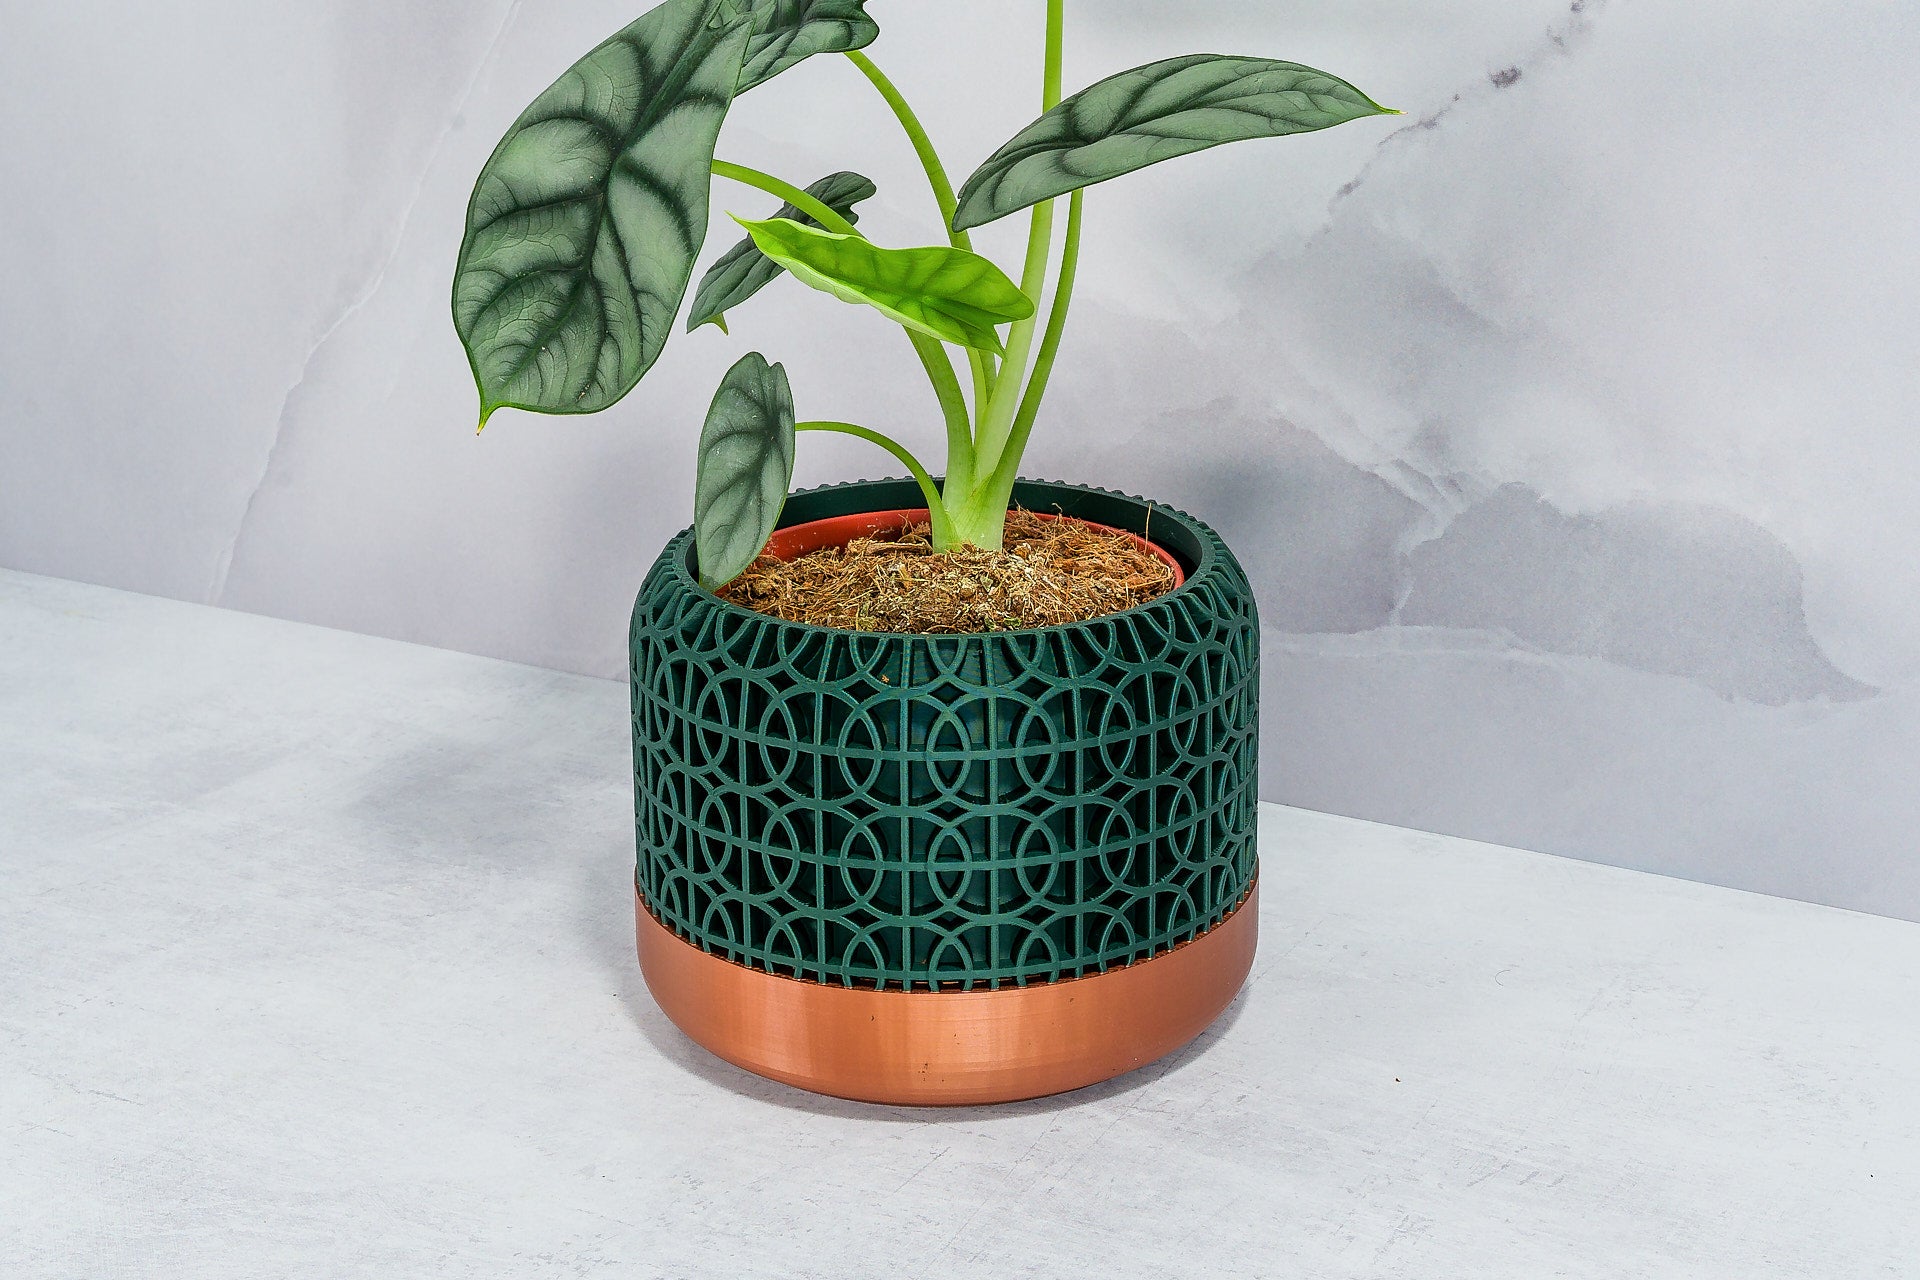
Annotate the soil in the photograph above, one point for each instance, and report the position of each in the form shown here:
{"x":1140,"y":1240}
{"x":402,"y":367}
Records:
{"x":1051,"y":572}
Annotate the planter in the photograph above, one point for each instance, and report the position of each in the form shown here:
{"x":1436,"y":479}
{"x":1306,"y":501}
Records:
{"x":948,"y":869}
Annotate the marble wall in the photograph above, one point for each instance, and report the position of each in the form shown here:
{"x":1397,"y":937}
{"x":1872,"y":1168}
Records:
{"x":1565,"y":425}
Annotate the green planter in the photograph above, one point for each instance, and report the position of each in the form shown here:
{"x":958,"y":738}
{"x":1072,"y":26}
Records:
{"x":947,"y":813}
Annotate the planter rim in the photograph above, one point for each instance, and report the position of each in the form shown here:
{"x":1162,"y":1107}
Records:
{"x":685,"y":571}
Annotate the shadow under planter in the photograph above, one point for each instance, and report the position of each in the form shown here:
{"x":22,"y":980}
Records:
{"x":956,"y":868}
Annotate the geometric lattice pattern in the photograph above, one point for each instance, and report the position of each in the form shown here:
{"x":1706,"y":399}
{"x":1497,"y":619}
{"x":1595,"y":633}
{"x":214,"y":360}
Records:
{"x":951,"y":812}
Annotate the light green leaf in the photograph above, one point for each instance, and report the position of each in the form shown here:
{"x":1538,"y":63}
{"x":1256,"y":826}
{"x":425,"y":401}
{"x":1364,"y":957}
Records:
{"x":585,"y":223}
{"x":1150,"y":114}
{"x":743,"y":270}
{"x":745,"y":468}
{"x":790,"y":31}
{"x":940,"y":291}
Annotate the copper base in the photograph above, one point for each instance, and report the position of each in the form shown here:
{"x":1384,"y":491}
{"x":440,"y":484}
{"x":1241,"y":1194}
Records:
{"x":955,"y":1048}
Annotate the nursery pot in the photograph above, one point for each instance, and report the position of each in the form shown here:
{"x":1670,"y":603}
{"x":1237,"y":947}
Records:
{"x":954,"y":868}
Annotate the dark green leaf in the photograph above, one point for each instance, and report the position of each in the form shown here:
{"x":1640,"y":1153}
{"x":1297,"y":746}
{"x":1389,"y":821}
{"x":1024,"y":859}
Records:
{"x":789,"y":31}
{"x":947,"y":293}
{"x":585,"y":222}
{"x":746,"y":465}
{"x":743,"y":271}
{"x":1154,"y":113}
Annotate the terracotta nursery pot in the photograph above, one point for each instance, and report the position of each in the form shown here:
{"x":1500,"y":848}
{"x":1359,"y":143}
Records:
{"x":947,"y":869}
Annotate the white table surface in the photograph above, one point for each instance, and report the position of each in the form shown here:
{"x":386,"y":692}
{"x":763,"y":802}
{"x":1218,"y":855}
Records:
{"x":316,"y":960}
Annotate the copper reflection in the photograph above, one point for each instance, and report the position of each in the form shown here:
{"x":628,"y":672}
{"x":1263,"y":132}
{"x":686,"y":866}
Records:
{"x":949,"y":1048}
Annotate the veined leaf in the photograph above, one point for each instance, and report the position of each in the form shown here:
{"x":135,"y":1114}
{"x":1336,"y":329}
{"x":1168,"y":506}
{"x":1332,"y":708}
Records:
{"x":743,"y":270}
{"x":745,"y":468}
{"x":790,"y":31}
{"x":585,"y":223}
{"x":944,"y":292}
{"x":1150,"y":114}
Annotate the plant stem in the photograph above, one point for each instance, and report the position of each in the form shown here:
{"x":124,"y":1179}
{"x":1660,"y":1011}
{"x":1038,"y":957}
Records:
{"x":936,"y":505}
{"x":953,"y":406}
{"x":1006,"y":470}
{"x":986,"y":375}
{"x":810,"y":205}
{"x":997,"y":419}
{"x":981,"y":362}
{"x":1056,"y":28}
{"x":933,"y":356}
{"x":996,"y":423}
{"x":922,"y":146}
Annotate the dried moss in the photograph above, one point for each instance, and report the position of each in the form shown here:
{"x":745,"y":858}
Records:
{"x":1053,"y":571}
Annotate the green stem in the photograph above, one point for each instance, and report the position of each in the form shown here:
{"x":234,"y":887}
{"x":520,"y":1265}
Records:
{"x":996,"y":423}
{"x":810,"y":205}
{"x":981,"y":363}
{"x":936,"y":505}
{"x":997,"y":420}
{"x":922,"y":146}
{"x":986,"y":374}
{"x":1007,"y":469}
{"x":1056,"y":27}
{"x":953,"y":406}
{"x":933,"y":356}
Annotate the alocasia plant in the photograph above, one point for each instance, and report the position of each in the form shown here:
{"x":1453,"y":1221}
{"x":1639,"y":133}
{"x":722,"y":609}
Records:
{"x":588,"y":219}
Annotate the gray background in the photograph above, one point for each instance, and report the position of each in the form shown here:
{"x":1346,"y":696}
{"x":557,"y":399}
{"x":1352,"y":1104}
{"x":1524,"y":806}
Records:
{"x":1566,"y":425}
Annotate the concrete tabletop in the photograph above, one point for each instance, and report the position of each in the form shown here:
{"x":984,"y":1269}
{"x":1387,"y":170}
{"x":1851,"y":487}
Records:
{"x":316,"y":960}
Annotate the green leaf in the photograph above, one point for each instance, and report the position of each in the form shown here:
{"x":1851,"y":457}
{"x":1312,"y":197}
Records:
{"x":1150,"y":114}
{"x":743,"y":270}
{"x":940,"y":291}
{"x":790,"y":31}
{"x":586,"y":221}
{"x":745,"y":468}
